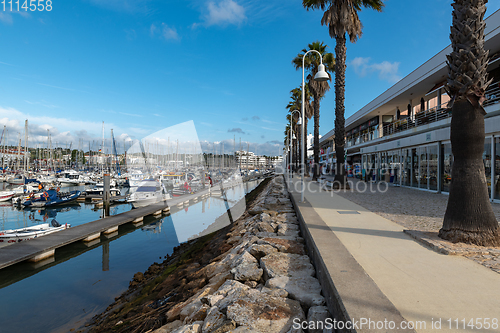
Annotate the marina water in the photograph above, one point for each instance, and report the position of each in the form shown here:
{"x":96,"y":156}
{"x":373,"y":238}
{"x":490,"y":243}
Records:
{"x":81,"y":280}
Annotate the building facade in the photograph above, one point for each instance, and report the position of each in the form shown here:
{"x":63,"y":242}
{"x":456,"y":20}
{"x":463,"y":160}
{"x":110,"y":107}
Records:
{"x":403,"y":135}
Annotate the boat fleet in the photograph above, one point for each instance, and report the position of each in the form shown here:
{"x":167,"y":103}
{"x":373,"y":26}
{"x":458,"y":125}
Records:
{"x":45,"y":190}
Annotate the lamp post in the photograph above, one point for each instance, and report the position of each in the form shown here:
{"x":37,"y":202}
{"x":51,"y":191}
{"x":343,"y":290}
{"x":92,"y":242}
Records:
{"x":321,"y":75}
{"x":299,"y":122}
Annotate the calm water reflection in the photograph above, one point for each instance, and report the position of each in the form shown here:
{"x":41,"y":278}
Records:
{"x":83,"y":279}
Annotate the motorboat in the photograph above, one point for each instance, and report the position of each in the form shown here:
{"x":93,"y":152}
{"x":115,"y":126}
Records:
{"x":26,"y":189}
{"x":23,"y":234}
{"x":70,"y":178}
{"x":6,"y":195}
{"x":182,"y":189}
{"x":52,"y":197}
{"x":147,"y":192}
{"x":135,"y":177}
{"x":98,"y":191}
{"x":20,"y":179}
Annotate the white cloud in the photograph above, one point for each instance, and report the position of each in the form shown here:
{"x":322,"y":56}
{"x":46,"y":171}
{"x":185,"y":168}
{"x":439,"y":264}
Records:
{"x":4,"y":63}
{"x":6,"y":18}
{"x":43,"y":103}
{"x":167,"y":32}
{"x":62,"y":131}
{"x":170,"y":33}
{"x":387,"y":71}
{"x":152,"y":29}
{"x":224,"y":12}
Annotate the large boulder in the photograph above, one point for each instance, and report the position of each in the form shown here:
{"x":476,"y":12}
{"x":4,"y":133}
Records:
{"x":305,"y":289}
{"x":319,"y":316}
{"x":265,"y":226}
{"x":247,"y":272}
{"x":286,"y":264}
{"x":261,"y":250}
{"x":214,"y":319}
{"x":264,"y":313}
{"x":245,"y":258}
{"x":227,"y":293}
{"x":285,"y":229}
{"x":284,"y":245}
{"x":192,"y":328}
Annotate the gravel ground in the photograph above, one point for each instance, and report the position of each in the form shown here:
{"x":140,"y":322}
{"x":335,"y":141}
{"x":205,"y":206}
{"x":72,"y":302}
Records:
{"x":422,"y":211}
{"x":411,"y":208}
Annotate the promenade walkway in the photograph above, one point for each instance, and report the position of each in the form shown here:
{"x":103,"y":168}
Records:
{"x":380,"y":273}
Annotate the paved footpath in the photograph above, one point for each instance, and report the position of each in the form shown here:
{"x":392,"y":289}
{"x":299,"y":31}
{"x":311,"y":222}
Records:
{"x":420,"y":283}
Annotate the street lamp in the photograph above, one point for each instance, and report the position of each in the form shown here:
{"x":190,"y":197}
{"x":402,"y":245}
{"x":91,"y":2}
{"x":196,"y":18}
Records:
{"x":299,"y":122}
{"x":321,"y":76}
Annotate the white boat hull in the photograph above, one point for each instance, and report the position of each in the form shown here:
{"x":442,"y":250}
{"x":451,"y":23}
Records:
{"x":5,"y":196}
{"x":19,"y":235}
{"x":146,"y":199}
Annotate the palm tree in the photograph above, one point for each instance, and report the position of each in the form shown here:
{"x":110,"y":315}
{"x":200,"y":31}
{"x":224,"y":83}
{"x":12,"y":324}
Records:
{"x":317,"y":88}
{"x":341,"y":16}
{"x":469,"y":217}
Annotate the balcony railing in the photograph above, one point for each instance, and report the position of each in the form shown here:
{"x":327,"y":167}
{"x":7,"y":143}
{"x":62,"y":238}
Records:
{"x":431,"y":115}
{"x":492,"y":94}
{"x":421,"y":118}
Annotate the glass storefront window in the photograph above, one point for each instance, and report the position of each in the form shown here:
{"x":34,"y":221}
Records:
{"x":433,"y":167}
{"x":496,"y":187}
{"x":422,"y":174}
{"x":447,"y":166}
{"x":406,"y":167}
{"x":415,"y":168}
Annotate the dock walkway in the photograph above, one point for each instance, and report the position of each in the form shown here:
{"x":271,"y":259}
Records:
{"x":369,"y":269}
{"x":43,"y":247}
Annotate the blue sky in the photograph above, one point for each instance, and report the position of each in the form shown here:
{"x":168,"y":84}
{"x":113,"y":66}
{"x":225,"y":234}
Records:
{"x":142,"y":65}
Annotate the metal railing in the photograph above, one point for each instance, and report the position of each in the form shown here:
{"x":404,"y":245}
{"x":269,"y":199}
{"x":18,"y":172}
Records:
{"x":431,"y":115}
{"x":492,"y":94}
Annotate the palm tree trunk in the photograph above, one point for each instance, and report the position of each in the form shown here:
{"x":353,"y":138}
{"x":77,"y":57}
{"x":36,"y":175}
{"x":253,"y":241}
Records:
{"x":469,"y":217}
{"x":340,"y":66}
{"x":316,"y":137}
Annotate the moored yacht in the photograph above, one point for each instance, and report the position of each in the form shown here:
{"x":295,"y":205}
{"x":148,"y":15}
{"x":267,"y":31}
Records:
{"x":148,"y":191}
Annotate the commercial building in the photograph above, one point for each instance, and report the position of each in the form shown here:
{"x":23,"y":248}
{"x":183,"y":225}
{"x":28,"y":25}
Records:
{"x":403,"y":135}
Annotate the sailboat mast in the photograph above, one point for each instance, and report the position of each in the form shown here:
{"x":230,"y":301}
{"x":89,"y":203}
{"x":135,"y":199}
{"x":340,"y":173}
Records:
{"x":102,"y":147}
{"x":25,"y":146}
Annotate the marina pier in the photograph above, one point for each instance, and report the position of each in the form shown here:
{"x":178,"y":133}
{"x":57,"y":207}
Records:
{"x":43,"y":247}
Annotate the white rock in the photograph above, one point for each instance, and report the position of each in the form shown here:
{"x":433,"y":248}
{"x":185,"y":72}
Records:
{"x":247,"y":272}
{"x":286,"y":264}
{"x":214,"y":318}
{"x":318,"y":315}
{"x":192,"y":328}
{"x":305,"y":289}
{"x":264,"y":313}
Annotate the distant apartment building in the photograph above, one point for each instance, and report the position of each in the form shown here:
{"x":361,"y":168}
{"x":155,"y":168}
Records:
{"x":248,"y":160}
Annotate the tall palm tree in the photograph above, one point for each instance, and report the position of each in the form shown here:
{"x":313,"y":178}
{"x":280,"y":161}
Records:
{"x":317,"y":88}
{"x":469,"y":217}
{"x":342,"y":18}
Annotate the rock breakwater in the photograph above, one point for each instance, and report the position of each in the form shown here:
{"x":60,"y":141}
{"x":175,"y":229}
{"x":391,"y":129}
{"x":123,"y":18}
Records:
{"x":253,"y":276}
